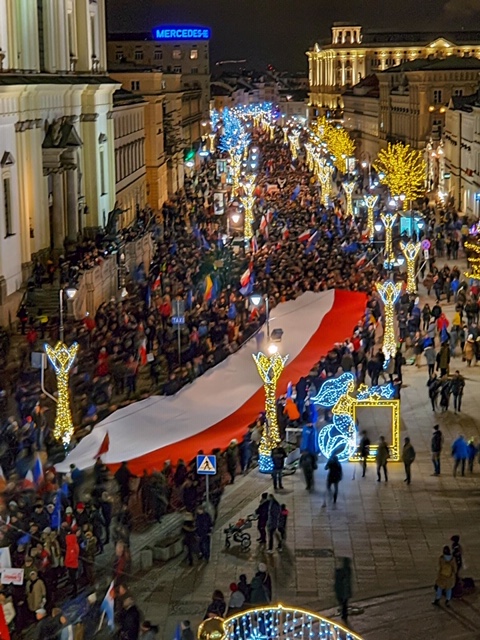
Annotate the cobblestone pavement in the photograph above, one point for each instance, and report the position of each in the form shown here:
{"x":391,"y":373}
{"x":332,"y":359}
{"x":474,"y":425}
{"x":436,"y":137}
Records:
{"x":393,"y":532}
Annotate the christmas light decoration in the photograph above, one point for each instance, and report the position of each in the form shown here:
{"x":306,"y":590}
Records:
{"x":277,"y":621}
{"x":294,"y":138}
{"x":402,"y":170}
{"x":340,"y":437}
{"x":348,"y":188}
{"x":270,"y":369}
{"x":285,"y":135}
{"x":388,"y":220}
{"x":211,"y":142}
{"x":61,"y":358}
{"x":249,"y":184}
{"x":248,"y":218}
{"x":389,"y":292}
{"x":411,"y":250}
{"x":473,"y":261}
{"x":370,"y":202}
{"x":214,"y":119}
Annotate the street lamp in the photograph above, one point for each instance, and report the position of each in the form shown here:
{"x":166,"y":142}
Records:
{"x":70,"y":292}
{"x":256,"y":299}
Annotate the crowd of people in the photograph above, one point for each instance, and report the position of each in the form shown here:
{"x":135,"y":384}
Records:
{"x":128,"y":349}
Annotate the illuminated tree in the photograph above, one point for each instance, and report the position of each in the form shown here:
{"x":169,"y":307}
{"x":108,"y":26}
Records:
{"x":402,"y":170}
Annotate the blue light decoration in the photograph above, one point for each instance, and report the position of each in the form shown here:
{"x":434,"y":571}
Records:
{"x":340,"y":436}
{"x":181,"y":32}
{"x":214,"y":119}
{"x":234,"y":138}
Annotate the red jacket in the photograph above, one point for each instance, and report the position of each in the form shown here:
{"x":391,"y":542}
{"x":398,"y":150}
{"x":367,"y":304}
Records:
{"x":72,"y":552}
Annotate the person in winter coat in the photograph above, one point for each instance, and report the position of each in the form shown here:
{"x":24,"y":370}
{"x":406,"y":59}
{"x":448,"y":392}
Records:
{"x":457,"y":385}
{"x":343,"y":586}
{"x":148,"y":631}
{"x":232,"y":459}
{"x":408,"y":456}
{"x":273,"y":522}
{"x":261,"y":586}
{"x":129,"y":620}
{"x":262,"y":513}
{"x":459,"y":454}
{"x":446,"y":576}
{"x":217,"y":606}
{"x":71,"y":561}
{"x":430,"y":356}
{"x":278,"y":458}
{"x":36,"y":592}
{"x":469,"y":350}
{"x":383,"y":455}
{"x":436,"y":448}
{"x":308,"y":465}
{"x":443,"y":359}
{"x":282,"y":525}
{"x":334,"y":476}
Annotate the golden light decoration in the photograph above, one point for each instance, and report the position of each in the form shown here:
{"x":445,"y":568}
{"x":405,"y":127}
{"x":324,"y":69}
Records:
{"x":402,"y":170}
{"x":248,"y":218}
{"x":376,"y":402}
{"x":294,"y":138}
{"x":211,"y":139}
{"x":272,"y":130}
{"x":270,"y":369}
{"x":388,"y":220}
{"x":473,"y":263}
{"x":285,"y":135}
{"x":324,"y":174}
{"x":348,"y":188}
{"x":411,"y":250}
{"x":235,"y":165}
{"x":389,"y":292}
{"x":370,"y":202}
{"x":61,"y":358}
{"x":280,"y":621}
{"x":249,"y":184}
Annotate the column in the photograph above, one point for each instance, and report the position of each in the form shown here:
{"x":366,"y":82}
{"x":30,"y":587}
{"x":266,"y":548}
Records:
{"x":72,"y":208}
{"x":58,"y":214}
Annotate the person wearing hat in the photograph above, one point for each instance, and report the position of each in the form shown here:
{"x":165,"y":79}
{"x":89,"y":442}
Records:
{"x":236,"y":601}
{"x":36,"y":592}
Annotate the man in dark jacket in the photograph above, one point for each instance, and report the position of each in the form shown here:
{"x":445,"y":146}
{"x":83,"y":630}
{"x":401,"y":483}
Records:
{"x":278,"y":459}
{"x":308,"y":464}
{"x":343,"y":587}
{"x":203,"y":529}
{"x":262,"y":513}
{"x":334,"y":476}
{"x":129,"y":620}
{"x":436,"y":448}
{"x":123,"y":476}
{"x":274,"y":511}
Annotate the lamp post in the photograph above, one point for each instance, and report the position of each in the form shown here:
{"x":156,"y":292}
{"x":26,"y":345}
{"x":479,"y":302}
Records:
{"x":370,"y":202}
{"x":389,"y":292}
{"x":256,"y":299}
{"x":70,"y":292}
{"x":388,"y":220}
{"x":411,"y":250}
{"x":348,"y":188}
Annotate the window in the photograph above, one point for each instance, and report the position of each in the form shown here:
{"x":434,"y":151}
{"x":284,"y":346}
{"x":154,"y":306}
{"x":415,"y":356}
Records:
{"x":7,"y":200}
{"x":458,"y":92}
{"x":157,"y":55}
{"x":177,"y":53}
{"x":437,"y":96}
{"x":135,"y":85}
{"x":177,"y":69}
{"x":119,"y":55}
{"x":138,"y":55}
{"x":193,"y":54}
{"x":194,"y":70}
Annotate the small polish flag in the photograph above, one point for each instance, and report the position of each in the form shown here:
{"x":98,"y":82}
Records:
{"x":245,"y":279}
{"x":304,"y":236}
{"x":107,"y":606}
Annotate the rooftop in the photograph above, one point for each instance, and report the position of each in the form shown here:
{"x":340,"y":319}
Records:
{"x":450,"y":63}
{"x":406,"y":38}
{"x":466,"y":103}
{"x":53,"y":78}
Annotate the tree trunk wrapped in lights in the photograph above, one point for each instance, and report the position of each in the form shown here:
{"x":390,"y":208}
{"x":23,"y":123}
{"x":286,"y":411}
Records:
{"x":411,"y":251}
{"x":388,"y":220}
{"x":324,"y":176}
{"x":389,"y":292}
{"x":270,"y":369}
{"x":370,"y":202}
{"x":348,"y":188}
{"x":211,"y":138}
{"x":61,"y":358}
{"x":249,"y":184}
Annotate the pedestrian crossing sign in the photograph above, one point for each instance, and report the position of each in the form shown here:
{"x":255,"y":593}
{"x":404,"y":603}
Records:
{"x":206,"y":465}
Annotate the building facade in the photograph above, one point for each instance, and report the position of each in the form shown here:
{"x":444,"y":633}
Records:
{"x":352,"y":54}
{"x":361,"y":117}
{"x":462,"y":153}
{"x":150,"y":86}
{"x":56,"y":131}
{"x":130,"y":169}
{"x":187,"y":56}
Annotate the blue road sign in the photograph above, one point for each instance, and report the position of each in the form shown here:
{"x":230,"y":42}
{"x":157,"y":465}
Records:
{"x":206,"y":465}
{"x":178,"y":319}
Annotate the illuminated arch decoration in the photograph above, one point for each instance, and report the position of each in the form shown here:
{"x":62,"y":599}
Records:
{"x":285,"y":135}
{"x":270,"y":369}
{"x":340,"y":437}
{"x":61,"y":358}
{"x":348,"y":188}
{"x":411,"y":250}
{"x":370,"y":202}
{"x":275,"y":621}
{"x":248,"y":202}
{"x":389,"y":292}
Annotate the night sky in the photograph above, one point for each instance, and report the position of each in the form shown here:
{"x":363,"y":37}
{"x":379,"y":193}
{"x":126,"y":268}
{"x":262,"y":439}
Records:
{"x":279,"y":32}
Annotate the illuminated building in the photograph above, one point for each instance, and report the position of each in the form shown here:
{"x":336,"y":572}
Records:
{"x":352,"y":54}
{"x":56,"y":132}
{"x":182,"y":50}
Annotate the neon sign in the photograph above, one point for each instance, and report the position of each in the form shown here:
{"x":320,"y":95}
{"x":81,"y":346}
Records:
{"x":181,"y":33}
